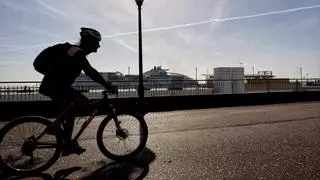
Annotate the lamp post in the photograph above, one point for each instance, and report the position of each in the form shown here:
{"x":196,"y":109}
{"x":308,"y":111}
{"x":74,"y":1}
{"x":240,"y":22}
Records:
{"x":196,"y":73}
{"x":140,"y":88}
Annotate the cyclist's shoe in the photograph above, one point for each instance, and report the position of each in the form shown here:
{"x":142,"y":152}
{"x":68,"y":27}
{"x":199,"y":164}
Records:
{"x":72,"y":148}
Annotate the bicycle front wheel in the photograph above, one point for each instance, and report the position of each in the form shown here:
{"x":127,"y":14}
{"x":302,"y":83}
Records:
{"x":25,"y":149}
{"x":124,"y":141}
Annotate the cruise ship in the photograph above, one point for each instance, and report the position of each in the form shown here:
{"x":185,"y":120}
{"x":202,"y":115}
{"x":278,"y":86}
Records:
{"x":161,"y":78}
{"x":153,"y":79}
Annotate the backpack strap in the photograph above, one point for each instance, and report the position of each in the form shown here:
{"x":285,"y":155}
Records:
{"x":73,"y":50}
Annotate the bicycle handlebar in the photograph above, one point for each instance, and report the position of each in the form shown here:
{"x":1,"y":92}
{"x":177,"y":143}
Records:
{"x":106,"y":92}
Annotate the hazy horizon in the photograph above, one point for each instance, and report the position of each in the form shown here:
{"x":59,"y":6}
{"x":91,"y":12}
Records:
{"x":276,"y":35}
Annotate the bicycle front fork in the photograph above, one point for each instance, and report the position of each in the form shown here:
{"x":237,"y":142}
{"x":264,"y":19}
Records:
{"x":114,"y":116}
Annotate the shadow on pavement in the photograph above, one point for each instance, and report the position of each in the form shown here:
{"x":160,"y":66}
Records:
{"x":136,"y":168}
{"x":59,"y":175}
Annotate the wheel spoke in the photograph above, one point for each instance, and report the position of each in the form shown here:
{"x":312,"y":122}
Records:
{"x":36,"y":131}
{"x":32,"y":127}
{"x":131,"y":148}
{"x":16,"y":134}
{"x":134,"y":144}
{"x":20,"y":132}
{"x":126,"y":147}
{"x":23,"y":133}
{"x":118,"y":146}
{"x":45,"y":145}
{"x":37,"y":128}
{"x":20,"y":135}
{"x":43,"y":156}
{"x":110,"y":136}
{"x":12,"y":143}
{"x":132,"y":122}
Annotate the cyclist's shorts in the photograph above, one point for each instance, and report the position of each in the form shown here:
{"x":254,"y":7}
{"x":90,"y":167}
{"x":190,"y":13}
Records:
{"x":65,"y":96}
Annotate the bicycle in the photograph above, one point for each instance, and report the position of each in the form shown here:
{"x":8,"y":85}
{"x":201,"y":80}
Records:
{"x":31,"y":145}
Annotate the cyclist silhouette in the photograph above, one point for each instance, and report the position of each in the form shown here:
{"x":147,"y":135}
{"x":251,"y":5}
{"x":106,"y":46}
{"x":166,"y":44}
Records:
{"x":63,"y":64}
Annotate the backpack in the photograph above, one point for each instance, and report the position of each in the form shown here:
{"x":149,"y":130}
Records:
{"x":48,"y":56}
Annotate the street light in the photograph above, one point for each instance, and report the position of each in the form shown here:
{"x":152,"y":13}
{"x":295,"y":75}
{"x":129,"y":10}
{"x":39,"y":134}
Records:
{"x":139,"y":2}
{"x":140,"y":88}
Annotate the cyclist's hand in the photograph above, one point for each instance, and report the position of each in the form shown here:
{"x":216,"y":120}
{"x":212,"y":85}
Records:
{"x":113,"y":89}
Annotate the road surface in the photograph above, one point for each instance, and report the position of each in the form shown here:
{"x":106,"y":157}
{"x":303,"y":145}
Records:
{"x":254,"y":142}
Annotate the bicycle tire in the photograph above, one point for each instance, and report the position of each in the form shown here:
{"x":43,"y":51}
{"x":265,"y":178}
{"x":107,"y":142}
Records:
{"x":48,"y":164}
{"x":141,"y":145}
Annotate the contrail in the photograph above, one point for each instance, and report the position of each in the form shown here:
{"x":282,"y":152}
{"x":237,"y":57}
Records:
{"x":195,"y":24}
{"x":216,"y":20}
{"x":269,"y":13}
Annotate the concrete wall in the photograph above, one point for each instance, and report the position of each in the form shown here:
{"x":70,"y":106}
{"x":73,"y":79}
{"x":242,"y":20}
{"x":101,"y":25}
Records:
{"x":271,"y":84}
{"x":10,"y":110}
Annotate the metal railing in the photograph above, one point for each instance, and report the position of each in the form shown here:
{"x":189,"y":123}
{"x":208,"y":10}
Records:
{"x":28,"y":90}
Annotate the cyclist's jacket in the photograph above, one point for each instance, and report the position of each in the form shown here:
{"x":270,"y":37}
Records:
{"x":64,"y":65}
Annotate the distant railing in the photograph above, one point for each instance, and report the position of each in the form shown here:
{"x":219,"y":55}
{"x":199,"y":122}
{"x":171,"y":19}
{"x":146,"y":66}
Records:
{"x":28,"y":90}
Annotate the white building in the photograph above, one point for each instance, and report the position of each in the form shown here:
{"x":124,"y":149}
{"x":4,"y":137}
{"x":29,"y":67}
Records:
{"x":228,"y":80}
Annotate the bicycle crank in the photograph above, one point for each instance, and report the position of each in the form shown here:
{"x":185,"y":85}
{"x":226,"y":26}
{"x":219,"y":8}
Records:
{"x":29,"y":146}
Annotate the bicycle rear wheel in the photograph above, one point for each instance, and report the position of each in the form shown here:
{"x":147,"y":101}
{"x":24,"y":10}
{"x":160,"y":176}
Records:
{"x":125,"y":142}
{"x":24,"y":149}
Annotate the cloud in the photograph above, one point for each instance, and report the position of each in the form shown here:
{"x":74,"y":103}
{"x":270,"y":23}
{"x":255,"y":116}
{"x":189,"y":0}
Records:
{"x":51,"y":10}
{"x":34,"y":30}
{"x":17,"y":6}
{"x":186,"y":37}
{"x":9,"y":61}
{"x":216,"y":53}
{"x":7,"y":46}
{"x":124,"y":44}
{"x":22,"y":48}
{"x":308,"y":23}
{"x":118,"y":17}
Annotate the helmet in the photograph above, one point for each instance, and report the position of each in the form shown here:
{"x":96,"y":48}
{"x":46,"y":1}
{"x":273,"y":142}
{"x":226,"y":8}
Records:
{"x":88,"y":32}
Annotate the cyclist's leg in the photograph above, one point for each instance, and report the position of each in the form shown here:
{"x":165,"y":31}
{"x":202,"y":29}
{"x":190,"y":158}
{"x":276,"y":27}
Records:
{"x":68,"y":101}
{"x":80,"y":103}
{"x":62,"y":109}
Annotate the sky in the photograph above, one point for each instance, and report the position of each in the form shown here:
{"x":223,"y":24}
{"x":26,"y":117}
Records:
{"x":281,"y":36}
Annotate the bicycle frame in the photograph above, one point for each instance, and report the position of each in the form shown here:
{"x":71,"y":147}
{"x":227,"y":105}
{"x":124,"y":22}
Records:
{"x":88,"y":121}
{"x":97,"y":103}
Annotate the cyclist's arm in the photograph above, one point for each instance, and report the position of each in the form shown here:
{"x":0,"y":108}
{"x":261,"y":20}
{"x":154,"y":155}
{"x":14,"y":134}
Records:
{"x":94,"y":74}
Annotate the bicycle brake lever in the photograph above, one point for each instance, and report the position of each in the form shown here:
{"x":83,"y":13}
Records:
{"x":104,"y":92}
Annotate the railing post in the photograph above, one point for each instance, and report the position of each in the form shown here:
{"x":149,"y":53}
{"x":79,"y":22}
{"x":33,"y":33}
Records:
{"x":268,"y":85}
{"x":232,"y":86}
